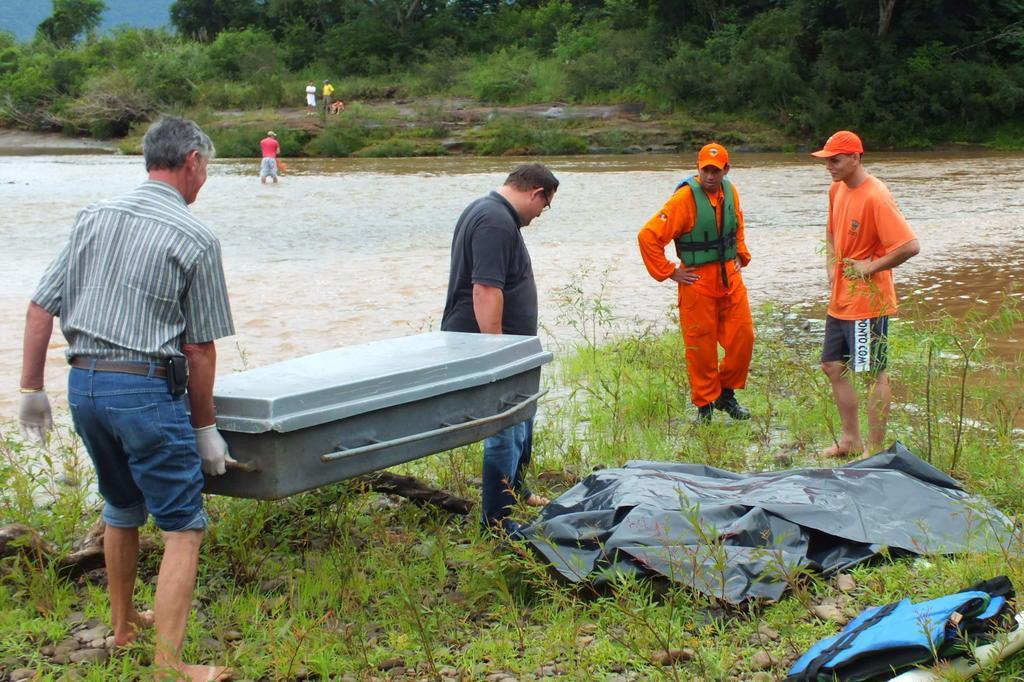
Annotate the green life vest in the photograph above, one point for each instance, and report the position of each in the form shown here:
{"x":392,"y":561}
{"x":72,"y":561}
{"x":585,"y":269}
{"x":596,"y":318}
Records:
{"x":705,"y":243}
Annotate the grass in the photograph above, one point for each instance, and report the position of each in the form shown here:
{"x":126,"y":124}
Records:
{"x":338,"y":581}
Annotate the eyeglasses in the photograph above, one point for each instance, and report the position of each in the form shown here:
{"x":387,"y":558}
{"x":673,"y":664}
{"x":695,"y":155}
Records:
{"x":547,"y":200}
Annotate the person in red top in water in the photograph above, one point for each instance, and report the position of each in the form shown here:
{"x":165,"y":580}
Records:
{"x":271,"y":148}
{"x":867,"y":236}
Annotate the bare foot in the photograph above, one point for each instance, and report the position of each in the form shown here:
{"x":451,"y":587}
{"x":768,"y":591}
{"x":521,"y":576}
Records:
{"x":195,"y":673}
{"x":535,"y":500}
{"x":843,"y":449}
{"x":207,"y":673}
{"x":142,"y":620}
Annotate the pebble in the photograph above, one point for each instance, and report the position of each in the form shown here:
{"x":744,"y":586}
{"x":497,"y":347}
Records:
{"x":232,"y":635}
{"x":829,"y":612}
{"x":69,"y":644}
{"x":671,"y":656}
{"x":211,"y":644}
{"x":93,"y":633}
{"x":762,"y":660}
{"x":762,"y":677}
{"x":588,"y":629}
{"x":768,"y":632}
{"x":391,"y":664}
{"x":456,"y":597}
{"x":585,"y":640}
{"x":75,"y":618}
{"x":90,"y":656}
{"x":845,"y":582}
{"x":22,"y":674}
{"x":272,"y":584}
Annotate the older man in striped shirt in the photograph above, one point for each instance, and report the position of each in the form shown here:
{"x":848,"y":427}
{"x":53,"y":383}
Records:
{"x":139,"y":289}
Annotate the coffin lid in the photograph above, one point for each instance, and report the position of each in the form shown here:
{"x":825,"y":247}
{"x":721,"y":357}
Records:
{"x":325,"y":387}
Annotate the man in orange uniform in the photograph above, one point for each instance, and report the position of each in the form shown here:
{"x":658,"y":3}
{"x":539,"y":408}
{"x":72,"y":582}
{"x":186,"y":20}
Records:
{"x":865,"y":239}
{"x":705,"y":221}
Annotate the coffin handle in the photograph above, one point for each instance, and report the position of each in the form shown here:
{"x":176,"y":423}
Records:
{"x":245,"y":467}
{"x":454,"y":428}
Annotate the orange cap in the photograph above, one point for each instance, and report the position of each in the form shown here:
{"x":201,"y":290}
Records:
{"x":713,"y":154}
{"x":843,"y":142}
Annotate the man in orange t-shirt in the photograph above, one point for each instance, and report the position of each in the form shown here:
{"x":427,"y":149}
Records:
{"x":704,"y":219}
{"x":866,"y":238}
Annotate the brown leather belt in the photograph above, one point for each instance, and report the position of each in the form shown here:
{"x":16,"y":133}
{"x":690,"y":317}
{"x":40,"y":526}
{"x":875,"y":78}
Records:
{"x":122,"y":366}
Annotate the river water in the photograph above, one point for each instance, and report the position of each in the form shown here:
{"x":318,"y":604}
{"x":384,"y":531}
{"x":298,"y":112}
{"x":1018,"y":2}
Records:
{"x":345,"y":251}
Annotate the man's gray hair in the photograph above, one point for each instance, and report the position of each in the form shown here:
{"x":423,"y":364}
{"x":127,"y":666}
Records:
{"x":170,"y":140}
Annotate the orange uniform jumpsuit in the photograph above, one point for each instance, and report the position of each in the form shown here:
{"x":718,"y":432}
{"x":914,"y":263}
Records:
{"x":710,"y":313}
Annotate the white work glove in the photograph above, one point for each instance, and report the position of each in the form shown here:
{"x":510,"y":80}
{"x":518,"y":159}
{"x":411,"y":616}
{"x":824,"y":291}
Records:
{"x":35,"y":416}
{"x":213,"y":450}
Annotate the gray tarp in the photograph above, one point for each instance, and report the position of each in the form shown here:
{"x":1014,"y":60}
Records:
{"x":736,"y":536}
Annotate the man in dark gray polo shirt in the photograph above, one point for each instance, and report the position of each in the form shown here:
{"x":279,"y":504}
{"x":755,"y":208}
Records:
{"x":491,"y":290}
{"x":139,"y":289}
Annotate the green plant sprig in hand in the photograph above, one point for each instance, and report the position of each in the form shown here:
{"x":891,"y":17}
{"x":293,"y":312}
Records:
{"x":850,"y":270}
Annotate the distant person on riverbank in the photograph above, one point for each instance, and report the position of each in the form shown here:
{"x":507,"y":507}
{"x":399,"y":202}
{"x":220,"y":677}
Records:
{"x":310,"y":99}
{"x":491,"y":290}
{"x":268,"y":166}
{"x":139,"y":288}
{"x":865,"y":238}
{"x":328,"y":94}
{"x":704,"y":220}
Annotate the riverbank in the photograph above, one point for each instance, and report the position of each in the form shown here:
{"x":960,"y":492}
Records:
{"x":464,"y":127}
{"x":311,"y":586}
{"x":23,"y":143}
{"x":446,"y":127}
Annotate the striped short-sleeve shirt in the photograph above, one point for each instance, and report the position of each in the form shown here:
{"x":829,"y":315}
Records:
{"x":139,"y":276}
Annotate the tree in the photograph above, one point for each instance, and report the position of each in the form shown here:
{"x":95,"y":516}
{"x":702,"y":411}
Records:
{"x":70,"y":19}
{"x":204,"y":19}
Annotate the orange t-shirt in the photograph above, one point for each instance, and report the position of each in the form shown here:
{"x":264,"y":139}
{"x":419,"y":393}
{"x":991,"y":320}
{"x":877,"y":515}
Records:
{"x":676,"y":218}
{"x":864,"y":223}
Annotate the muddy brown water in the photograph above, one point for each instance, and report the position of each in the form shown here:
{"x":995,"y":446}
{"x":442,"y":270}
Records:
{"x":345,"y":251}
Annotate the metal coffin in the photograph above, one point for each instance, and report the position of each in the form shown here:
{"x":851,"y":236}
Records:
{"x":315,"y":420}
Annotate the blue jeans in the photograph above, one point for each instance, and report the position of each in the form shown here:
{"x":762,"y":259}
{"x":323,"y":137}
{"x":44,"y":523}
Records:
{"x":143,"y":448}
{"x":506,"y":455}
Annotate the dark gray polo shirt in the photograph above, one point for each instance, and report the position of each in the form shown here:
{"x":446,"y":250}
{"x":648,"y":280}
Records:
{"x":488,"y":248}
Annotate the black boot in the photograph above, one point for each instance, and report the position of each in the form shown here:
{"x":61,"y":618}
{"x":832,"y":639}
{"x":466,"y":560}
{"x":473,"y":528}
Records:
{"x":727,"y":403}
{"x":704,"y":413}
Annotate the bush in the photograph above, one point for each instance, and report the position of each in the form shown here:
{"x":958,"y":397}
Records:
{"x":341,"y":138}
{"x":514,"y":135}
{"x":404,"y":147}
{"x":503,"y":76}
{"x":172,"y":74}
{"x":598,"y":59}
{"x":243,"y":142}
{"x":247,"y":54}
{"x":110,"y":104}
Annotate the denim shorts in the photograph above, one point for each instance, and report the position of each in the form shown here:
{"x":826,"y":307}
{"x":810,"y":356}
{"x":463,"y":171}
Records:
{"x":143,"y":447}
